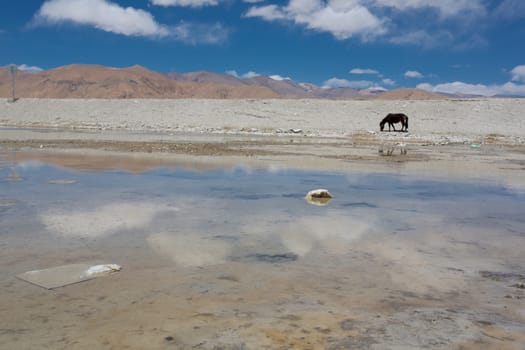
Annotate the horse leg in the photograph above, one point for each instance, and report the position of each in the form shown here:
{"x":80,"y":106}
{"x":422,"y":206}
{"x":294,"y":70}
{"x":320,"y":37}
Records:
{"x":404,"y":124}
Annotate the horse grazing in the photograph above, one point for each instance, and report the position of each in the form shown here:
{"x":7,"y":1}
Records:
{"x":394,"y":118}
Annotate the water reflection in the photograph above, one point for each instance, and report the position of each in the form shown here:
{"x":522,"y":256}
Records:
{"x":102,"y":220}
{"x":190,"y":250}
{"x":205,"y":252}
{"x":249,"y":215}
{"x":332,"y":232}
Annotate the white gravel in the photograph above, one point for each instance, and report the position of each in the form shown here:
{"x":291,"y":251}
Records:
{"x":457,"y":120}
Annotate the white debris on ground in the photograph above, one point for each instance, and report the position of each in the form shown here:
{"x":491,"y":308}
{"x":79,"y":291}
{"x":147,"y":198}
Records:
{"x":101,"y":269}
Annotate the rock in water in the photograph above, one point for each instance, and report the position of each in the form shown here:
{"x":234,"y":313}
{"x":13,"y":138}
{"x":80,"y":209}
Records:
{"x":318,"y":197}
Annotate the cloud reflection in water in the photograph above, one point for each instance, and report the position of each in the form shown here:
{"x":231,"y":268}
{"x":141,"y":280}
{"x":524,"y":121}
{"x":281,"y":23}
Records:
{"x":332,"y":231}
{"x":189,"y":250}
{"x":103,"y":220}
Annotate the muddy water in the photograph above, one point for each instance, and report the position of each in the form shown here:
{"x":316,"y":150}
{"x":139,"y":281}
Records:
{"x":235,"y":258}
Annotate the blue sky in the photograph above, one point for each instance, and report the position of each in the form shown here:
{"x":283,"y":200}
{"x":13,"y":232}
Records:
{"x":468,"y":46}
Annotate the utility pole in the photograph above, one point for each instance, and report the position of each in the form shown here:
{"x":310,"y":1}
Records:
{"x":13,"y":69}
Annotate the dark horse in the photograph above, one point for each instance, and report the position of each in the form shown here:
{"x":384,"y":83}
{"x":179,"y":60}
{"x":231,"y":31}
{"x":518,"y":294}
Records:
{"x":394,"y":118}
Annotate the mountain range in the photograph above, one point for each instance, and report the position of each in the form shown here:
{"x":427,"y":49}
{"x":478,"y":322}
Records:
{"x":94,"y":81}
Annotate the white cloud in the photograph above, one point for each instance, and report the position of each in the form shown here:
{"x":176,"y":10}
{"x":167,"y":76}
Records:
{"x":445,"y":23}
{"x":199,"y":33}
{"x":413,"y":74}
{"x":185,"y":3}
{"x":252,"y":74}
{"x":336,"y":83}
{"x":29,"y":69}
{"x":103,"y":15}
{"x":268,"y":12}
{"x":518,"y":73}
{"x":451,"y":24}
{"x":249,"y":75}
{"x":344,"y":83}
{"x":279,"y":78}
{"x":342,"y":19}
{"x":363,"y":71}
{"x":438,"y":38}
{"x":111,"y":17}
{"x":376,"y":88}
{"x":446,"y":8}
{"x":232,"y":73}
{"x":389,"y":82}
{"x":459,"y":87}
{"x":513,"y":89}
{"x":508,"y":89}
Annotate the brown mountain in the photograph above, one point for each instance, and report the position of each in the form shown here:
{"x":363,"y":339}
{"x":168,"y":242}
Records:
{"x":93,"y":81}
{"x":409,"y":94}
{"x":284,"y":88}
{"x":207,"y":77}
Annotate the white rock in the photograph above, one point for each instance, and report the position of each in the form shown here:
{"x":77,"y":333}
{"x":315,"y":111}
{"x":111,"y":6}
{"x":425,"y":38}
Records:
{"x":318,"y":197}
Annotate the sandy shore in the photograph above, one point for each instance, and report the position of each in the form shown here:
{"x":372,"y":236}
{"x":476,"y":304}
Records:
{"x":443,"y":134}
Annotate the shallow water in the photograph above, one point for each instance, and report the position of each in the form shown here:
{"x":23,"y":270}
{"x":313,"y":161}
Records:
{"x":235,"y":258}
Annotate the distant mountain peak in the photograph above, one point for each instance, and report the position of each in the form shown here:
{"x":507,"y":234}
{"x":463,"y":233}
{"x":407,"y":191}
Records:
{"x":96,"y":81}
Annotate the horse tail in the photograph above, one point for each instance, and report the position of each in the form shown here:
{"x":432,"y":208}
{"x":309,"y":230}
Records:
{"x":406,"y":122}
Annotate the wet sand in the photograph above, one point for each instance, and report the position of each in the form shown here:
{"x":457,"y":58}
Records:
{"x":440,"y":270}
{"x":443,"y":135}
